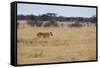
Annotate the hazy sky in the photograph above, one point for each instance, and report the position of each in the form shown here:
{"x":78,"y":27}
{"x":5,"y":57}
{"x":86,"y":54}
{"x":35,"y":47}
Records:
{"x":68,"y":11}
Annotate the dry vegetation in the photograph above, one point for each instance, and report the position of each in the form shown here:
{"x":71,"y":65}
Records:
{"x":67,"y":44}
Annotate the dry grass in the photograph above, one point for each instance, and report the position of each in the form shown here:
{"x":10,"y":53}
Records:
{"x":67,"y":44}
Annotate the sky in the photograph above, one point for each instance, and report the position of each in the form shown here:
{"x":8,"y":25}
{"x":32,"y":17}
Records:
{"x":67,"y":11}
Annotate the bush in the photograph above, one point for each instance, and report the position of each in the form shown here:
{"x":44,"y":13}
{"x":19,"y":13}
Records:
{"x":75,"y":25}
{"x":39,"y":23}
{"x":47,"y":24}
{"x":62,"y":25}
{"x":31,"y":23}
{"x":55,"y":24}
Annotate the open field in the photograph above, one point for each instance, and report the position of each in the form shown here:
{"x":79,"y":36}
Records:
{"x":67,"y":44}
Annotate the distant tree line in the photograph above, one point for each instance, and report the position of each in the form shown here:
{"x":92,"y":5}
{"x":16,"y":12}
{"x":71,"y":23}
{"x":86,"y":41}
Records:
{"x":53,"y":16}
{"x":52,"y":19}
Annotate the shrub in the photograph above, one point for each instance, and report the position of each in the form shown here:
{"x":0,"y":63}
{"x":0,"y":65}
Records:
{"x":75,"y":25}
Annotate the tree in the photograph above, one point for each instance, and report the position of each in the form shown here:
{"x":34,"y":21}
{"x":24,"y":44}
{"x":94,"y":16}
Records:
{"x":20,"y":17}
{"x":93,"y":19}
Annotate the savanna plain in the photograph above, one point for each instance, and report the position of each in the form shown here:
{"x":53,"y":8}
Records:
{"x":66,"y":45}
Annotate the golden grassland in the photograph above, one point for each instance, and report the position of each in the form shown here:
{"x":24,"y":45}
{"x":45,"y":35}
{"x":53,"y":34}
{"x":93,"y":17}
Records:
{"x":67,"y":44}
